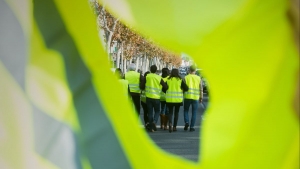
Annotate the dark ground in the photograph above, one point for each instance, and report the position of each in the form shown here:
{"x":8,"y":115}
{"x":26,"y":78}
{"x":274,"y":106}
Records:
{"x":182,"y":143}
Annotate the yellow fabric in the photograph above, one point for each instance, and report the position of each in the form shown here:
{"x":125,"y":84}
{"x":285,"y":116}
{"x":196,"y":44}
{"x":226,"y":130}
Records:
{"x":49,"y":81}
{"x":17,"y":143}
{"x":47,"y":85}
{"x":124,"y":86}
{"x":193,"y":82}
{"x":174,"y":93}
{"x":162,"y":94}
{"x":240,"y":45}
{"x":165,"y":78}
{"x":153,"y":86}
{"x":143,"y":96}
{"x":133,"y":78}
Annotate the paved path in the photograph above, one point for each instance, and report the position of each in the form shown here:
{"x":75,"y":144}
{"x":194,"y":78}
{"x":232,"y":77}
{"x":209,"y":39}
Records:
{"x":182,"y":143}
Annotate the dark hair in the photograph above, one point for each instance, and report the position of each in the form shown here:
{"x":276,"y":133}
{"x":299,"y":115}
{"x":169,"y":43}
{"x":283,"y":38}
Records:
{"x":153,"y":69}
{"x":118,"y":72}
{"x":165,"y":72}
{"x":193,"y":68}
{"x":174,"y":73}
{"x":146,"y":73}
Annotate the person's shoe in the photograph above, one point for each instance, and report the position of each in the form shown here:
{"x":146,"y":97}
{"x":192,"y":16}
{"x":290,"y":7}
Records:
{"x":174,"y":129}
{"x":192,"y":129}
{"x":170,"y":128}
{"x":149,"y":127}
{"x":154,"y":127}
{"x":186,"y":126}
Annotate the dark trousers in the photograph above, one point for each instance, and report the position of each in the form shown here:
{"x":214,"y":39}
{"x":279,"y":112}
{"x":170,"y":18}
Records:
{"x":171,"y":107}
{"x":164,"y":108}
{"x":144,"y":106}
{"x":153,"y":104}
{"x":136,"y":101}
{"x":187,"y":103}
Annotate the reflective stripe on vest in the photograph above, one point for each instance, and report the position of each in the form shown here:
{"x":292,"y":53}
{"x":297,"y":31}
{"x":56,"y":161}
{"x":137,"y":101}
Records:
{"x":133,"y":81}
{"x":193,"y":82}
{"x":162,"y":94}
{"x":153,"y":86}
{"x":174,"y":93}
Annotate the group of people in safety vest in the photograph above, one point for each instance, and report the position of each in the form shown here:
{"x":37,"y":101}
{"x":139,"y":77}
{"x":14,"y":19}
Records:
{"x":164,"y":94}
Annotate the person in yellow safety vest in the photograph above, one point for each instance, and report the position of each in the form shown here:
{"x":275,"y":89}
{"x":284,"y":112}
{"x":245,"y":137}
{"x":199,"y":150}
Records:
{"x":136,"y":83}
{"x":174,"y":96}
{"x":192,"y":97}
{"x":118,"y":73}
{"x":163,"y":108}
{"x":144,"y":105}
{"x":154,"y":85}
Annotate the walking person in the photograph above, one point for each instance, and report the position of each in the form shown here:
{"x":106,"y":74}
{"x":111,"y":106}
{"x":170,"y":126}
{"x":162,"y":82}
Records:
{"x":163,"y":107}
{"x":192,"y":97}
{"x":174,"y":96}
{"x":136,"y":83}
{"x":154,"y":84}
{"x":119,"y":74}
{"x":144,"y":104}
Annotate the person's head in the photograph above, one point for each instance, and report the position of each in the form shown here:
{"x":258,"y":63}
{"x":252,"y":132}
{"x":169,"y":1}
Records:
{"x":165,"y":72}
{"x":174,"y":73}
{"x":146,"y":73}
{"x":132,"y":67}
{"x":153,"y":69}
{"x":118,"y":72}
{"x":192,"y":69}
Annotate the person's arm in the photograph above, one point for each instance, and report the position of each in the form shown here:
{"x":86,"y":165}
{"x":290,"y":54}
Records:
{"x":201,"y":91}
{"x":142,"y":82}
{"x":164,"y":86}
{"x":183,"y":86}
{"x":165,"y":90}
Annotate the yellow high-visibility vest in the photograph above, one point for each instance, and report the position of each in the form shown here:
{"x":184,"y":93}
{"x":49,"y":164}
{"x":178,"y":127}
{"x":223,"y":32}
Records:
{"x":133,"y":78}
{"x":162,"y":94}
{"x":174,"y":93}
{"x":153,"y":86}
{"x":193,"y":82}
